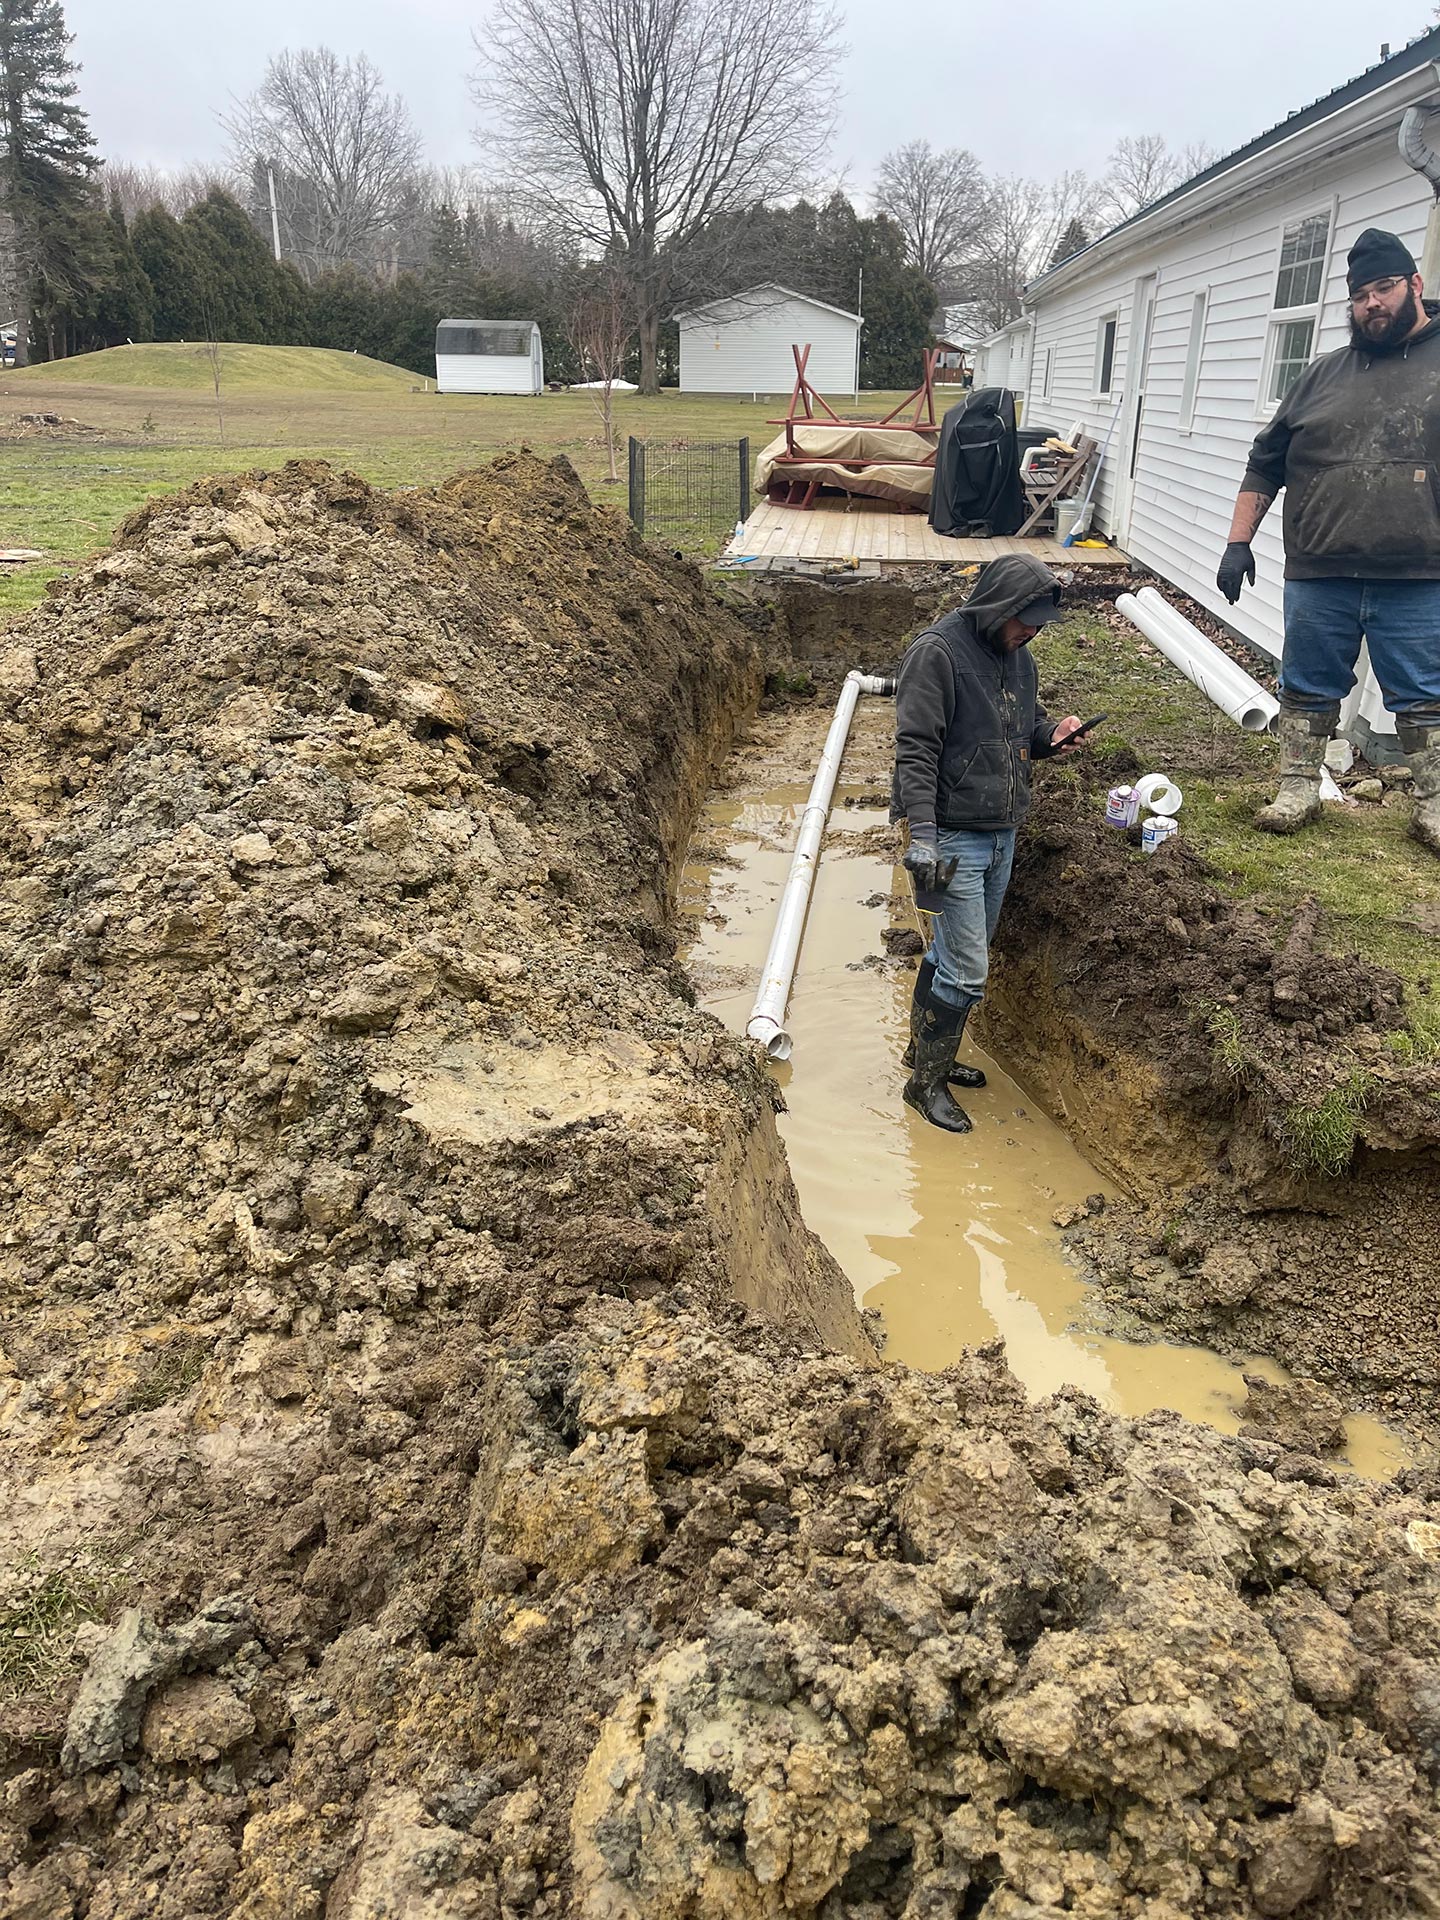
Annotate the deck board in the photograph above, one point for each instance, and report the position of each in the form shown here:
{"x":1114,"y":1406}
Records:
{"x":830,"y":532}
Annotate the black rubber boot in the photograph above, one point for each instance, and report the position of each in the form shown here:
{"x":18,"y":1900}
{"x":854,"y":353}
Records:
{"x":960,"y":1074}
{"x":928,"y":1088}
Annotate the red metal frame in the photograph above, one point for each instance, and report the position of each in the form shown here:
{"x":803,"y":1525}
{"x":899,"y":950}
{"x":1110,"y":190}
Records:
{"x":804,"y":400}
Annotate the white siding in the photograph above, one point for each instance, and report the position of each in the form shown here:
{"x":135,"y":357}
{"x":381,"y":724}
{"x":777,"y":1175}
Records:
{"x":1185,"y":482}
{"x":746,"y":348}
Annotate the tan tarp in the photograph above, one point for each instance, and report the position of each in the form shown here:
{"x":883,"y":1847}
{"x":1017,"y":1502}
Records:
{"x":825,"y":451}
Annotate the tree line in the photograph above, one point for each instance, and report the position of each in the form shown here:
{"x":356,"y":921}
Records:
{"x":656,"y":147}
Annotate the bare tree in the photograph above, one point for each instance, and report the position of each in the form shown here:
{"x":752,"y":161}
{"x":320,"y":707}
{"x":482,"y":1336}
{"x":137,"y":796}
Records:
{"x":1026,"y":221}
{"x":940,"y":203}
{"x":1143,"y":169}
{"x":343,"y":152}
{"x":177,"y":189}
{"x":631,"y":124}
{"x":600,"y":326}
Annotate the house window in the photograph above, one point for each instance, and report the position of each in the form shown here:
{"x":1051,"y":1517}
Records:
{"x":1290,"y":355}
{"x":1299,"y":282}
{"x":1189,"y":385}
{"x":1105,"y":353}
{"x":1302,"y":261}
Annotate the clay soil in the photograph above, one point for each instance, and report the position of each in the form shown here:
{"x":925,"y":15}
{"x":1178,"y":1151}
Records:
{"x":441,"y":1475}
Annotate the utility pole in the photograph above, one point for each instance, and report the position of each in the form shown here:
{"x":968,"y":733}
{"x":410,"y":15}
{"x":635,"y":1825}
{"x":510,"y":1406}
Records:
{"x":274,"y":215}
{"x":860,"y":309}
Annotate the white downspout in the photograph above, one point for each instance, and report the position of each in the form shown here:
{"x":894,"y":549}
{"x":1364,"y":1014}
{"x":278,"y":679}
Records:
{"x":1417,"y":152}
{"x":1222,"y":680}
{"x":767,"y":1017}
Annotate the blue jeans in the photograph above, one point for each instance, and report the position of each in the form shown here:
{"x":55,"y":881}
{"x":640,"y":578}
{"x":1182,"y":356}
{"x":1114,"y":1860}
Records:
{"x":961,"y":933}
{"x":1325,"y":621}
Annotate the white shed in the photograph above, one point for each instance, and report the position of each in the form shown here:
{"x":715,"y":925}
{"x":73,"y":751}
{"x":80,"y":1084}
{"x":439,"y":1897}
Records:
{"x":1183,"y":328}
{"x":742,"y":344}
{"x":489,"y":356}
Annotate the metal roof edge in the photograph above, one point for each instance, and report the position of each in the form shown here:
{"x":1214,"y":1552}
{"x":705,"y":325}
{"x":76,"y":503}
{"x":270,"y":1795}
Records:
{"x":1160,"y":215}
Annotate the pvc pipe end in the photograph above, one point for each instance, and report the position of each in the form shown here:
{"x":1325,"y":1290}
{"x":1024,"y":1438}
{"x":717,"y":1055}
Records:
{"x":776,"y":1041}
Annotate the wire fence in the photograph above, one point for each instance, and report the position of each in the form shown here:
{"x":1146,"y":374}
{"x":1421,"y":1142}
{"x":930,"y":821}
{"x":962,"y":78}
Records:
{"x":689,"y":493}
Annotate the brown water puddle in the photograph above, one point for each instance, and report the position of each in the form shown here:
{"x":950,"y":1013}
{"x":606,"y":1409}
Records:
{"x":950,"y":1237}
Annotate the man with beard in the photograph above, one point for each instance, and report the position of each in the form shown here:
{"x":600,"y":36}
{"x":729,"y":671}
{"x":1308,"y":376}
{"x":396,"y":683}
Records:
{"x":1356,"y":446}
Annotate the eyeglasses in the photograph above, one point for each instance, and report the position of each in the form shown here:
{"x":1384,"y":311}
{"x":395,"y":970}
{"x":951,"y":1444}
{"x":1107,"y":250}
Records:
{"x":1382,"y":287}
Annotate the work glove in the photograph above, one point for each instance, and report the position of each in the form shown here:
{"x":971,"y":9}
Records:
{"x":922,"y":863}
{"x":1236,"y":568}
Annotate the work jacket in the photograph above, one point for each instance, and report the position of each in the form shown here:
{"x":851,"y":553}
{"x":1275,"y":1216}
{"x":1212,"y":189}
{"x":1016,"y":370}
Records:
{"x":1356,"y":446}
{"x":968,"y":720}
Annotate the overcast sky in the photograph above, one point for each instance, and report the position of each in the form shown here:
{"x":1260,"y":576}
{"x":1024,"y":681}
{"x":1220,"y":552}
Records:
{"x":1031,"y":87}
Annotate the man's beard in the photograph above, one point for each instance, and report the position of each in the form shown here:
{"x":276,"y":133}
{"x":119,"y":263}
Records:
{"x":1395,"y":333}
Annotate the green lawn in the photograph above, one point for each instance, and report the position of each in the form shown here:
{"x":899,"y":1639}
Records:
{"x":243,"y":368}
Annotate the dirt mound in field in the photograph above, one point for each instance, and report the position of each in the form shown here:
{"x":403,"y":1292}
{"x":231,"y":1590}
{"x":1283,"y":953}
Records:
{"x":398,"y":1515}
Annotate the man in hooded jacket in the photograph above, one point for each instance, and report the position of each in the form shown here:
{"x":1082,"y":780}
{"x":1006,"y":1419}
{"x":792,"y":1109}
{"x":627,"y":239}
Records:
{"x":1356,"y":445}
{"x":968,"y":724}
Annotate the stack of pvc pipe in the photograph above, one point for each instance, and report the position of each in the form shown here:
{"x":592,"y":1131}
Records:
{"x":1221,"y":679}
{"x":767,"y":1017}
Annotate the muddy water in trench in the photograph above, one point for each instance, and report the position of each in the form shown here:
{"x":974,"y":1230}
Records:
{"x":950,"y":1238}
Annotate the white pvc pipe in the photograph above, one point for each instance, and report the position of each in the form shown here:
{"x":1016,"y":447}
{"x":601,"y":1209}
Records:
{"x":1222,"y":680}
{"x":767,"y":1017}
{"x":1216,"y":663}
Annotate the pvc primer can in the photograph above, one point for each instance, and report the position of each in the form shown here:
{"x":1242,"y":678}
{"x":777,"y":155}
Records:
{"x":1157,"y":830}
{"x":1122,"y":807}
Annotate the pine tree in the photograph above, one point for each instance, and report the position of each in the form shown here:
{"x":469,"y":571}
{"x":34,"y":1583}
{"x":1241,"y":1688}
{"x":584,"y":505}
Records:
{"x":176,"y":270}
{"x":47,"y":158}
{"x":448,"y":272}
{"x":1073,"y":240}
{"x":126,"y":298}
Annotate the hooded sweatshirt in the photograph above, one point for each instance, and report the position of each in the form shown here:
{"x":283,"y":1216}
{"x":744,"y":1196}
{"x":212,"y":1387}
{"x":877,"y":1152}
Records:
{"x":967,"y":719}
{"x":1356,"y":446}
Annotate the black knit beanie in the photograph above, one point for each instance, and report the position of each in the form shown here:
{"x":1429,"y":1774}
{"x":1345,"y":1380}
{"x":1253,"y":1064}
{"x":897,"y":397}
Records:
{"x":1375,"y":255}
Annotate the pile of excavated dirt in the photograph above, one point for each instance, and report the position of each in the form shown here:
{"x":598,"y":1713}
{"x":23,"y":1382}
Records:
{"x":400,"y":1512}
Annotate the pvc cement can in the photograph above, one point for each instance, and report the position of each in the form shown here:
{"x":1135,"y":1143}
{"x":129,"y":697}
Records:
{"x":1122,"y":807}
{"x":1157,"y":830}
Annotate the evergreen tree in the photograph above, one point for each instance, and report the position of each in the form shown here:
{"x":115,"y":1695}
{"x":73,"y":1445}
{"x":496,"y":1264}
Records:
{"x":46,"y":161}
{"x":176,"y":270}
{"x":126,"y":299}
{"x":449,"y":269}
{"x":248,"y":294}
{"x":1074,"y":239}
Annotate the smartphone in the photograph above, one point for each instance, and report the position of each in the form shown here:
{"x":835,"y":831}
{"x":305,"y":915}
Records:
{"x":1083,"y":728}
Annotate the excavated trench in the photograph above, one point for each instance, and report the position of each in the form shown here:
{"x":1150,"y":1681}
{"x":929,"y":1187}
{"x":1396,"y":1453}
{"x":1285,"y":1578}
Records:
{"x":441,"y":1473}
{"x":951,"y":1242}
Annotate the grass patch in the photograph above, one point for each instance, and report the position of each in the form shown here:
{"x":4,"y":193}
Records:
{"x":170,"y":1371}
{"x":40,"y":1613}
{"x":244,"y":368}
{"x":1321,"y":1139}
{"x":1223,"y":1025}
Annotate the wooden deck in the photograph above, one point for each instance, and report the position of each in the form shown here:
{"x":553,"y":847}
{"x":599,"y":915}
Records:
{"x":830,"y":531}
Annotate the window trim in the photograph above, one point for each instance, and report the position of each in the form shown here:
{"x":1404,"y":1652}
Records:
{"x":1110,"y":319}
{"x":1194,"y":359}
{"x":1277,"y":317}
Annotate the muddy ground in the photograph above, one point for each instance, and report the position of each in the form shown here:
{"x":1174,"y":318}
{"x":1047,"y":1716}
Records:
{"x":441,"y":1476}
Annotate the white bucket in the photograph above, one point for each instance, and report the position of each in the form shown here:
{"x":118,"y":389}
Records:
{"x":1159,"y":793}
{"x":1067,"y":515}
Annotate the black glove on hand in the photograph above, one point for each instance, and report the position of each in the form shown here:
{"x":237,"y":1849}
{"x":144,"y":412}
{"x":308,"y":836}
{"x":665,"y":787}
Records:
{"x":922,"y":863}
{"x":1236,"y":568}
